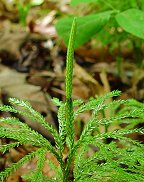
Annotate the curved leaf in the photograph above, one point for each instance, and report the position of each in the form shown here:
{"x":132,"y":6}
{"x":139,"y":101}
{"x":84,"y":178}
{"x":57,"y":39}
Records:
{"x":87,"y":26}
{"x":132,"y":21}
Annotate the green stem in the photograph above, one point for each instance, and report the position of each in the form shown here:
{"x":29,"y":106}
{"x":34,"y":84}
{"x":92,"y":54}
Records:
{"x":69,"y":161}
{"x":69,"y":103}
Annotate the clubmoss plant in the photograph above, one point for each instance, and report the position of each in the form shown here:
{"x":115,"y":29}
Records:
{"x":114,"y":156}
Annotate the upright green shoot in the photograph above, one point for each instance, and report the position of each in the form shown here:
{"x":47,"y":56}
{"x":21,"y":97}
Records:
{"x":107,"y":161}
{"x":69,"y":76}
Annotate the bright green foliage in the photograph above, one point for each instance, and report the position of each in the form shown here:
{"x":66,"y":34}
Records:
{"x":15,"y":166}
{"x":58,"y":172}
{"x":106,"y":15}
{"x":111,"y":3}
{"x":107,"y":160}
{"x":24,"y":8}
{"x":109,"y":164}
{"x":37,"y":175}
{"x":132,"y":21}
{"x":23,"y":12}
{"x":76,"y":2}
{"x":87,"y":27}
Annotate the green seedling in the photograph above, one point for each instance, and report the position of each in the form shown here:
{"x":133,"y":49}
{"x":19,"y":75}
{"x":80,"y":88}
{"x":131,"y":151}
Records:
{"x":24,"y":8}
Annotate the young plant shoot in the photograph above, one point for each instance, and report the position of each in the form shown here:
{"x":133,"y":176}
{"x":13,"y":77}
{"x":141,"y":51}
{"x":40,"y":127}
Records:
{"x":114,"y":157}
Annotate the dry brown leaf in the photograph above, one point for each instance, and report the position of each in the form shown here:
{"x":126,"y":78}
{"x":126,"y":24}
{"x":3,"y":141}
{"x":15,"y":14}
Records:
{"x":11,"y":40}
{"x":47,"y":170}
{"x":80,"y":90}
{"x":106,"y":87}
{"x":105,"y":82}
{"x":86,"y":78}
{"x":43,"y":26}
{"x":13,"y":84}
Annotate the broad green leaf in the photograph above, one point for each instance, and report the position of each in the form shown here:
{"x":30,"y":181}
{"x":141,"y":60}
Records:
{"x":36,"y":2}
{"x":132,"y":21}
{"x":87,"y":26}
{"x":142,"y":5}
{"x":76,"y":2}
